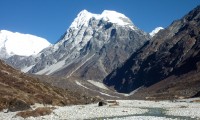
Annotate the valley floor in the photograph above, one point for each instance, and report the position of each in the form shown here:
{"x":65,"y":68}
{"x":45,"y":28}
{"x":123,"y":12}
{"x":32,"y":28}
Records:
{"x":124,"y":110}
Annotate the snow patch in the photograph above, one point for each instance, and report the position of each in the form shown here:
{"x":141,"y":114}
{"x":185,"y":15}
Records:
{"x":98,"y":84}
{"x":133,"y":92}
{"x":107,"y":94}
{"x":155,"y":31}
{"x":114,"y":17}
{"x":78,"y":83}
{"x":50,"y":69}
{"x":26,"y":69}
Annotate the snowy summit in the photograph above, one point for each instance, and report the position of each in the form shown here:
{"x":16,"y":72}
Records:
{"x":155,"y":31}
{"x":20,"y":44}
{"x":107,"y":15}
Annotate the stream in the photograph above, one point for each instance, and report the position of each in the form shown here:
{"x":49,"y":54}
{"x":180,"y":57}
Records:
{"x":156,"y":112}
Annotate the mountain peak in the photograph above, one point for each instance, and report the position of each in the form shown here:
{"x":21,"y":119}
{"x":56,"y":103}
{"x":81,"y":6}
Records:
{"x":116,"y":17}
{"x":82,"y":19}
{"x":84,"y":12}
{"x":107,"y":15}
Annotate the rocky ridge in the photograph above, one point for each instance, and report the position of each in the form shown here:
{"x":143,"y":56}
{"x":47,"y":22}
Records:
{"x":172,"y":53}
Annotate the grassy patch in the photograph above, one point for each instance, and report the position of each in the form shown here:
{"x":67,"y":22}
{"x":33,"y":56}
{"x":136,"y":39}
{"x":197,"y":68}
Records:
{"x":41,"y":111}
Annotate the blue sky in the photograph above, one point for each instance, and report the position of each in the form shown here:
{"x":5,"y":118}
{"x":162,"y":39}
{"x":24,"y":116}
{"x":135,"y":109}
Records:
{"x":51,"y":18}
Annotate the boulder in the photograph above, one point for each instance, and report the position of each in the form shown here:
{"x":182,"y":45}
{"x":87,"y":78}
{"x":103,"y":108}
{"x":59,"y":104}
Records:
{"x":102,"y":103}
{"x":18,"y":105}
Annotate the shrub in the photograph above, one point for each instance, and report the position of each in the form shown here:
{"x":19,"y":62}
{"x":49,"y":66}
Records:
{"x":41,"y":111}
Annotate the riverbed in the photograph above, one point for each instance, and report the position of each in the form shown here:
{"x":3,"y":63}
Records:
{"x":124,"y":110}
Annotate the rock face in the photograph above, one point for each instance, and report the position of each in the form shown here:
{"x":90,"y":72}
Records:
{"x":92,"y":47}
{"x":174,"y":51}
{"x":22,"y":63}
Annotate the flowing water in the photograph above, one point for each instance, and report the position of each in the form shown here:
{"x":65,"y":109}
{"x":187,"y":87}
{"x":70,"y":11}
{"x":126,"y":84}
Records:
{"x":156,"y":112}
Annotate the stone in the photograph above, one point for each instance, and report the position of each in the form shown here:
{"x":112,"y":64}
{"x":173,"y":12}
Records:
{"x":102,"y":103}
{"x":18,"y":105}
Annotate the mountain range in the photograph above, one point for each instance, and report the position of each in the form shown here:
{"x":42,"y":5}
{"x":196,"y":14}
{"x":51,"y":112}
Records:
{"x":91,"y":48}
{"x":109,"y":48}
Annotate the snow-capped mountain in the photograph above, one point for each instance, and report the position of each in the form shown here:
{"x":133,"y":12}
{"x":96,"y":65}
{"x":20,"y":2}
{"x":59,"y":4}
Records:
{"x":14,"y":43}
{"x":109,"y":16}
{"x":92,"y":46}
{"x":89,"y":23}
{"x":155,"y":31}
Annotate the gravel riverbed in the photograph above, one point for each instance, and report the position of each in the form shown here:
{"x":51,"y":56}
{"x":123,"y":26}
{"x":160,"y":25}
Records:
{"x":125,"y":110}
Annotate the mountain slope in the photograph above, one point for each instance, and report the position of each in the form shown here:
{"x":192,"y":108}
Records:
{"x":19,"y":89}
{"x":172,"y":52}
{"x":20,"y":44}
{"x":92,"y":47}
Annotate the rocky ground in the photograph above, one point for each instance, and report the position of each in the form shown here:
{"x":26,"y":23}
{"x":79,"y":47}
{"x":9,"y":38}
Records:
{"x":123,"y":110}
